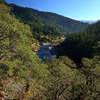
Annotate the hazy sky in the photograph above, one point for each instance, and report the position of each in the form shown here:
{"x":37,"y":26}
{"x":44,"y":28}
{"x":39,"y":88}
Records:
{"x":76,"y":9}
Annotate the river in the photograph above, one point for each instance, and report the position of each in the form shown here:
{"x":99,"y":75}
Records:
{"x":47,"y":51}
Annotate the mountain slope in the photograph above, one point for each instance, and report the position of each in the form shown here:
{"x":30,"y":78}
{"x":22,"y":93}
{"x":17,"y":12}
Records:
{"x":23,"y":76}
{"x":79,"y":45}
{"x":19,"y":65}
{"x":47,"y":20}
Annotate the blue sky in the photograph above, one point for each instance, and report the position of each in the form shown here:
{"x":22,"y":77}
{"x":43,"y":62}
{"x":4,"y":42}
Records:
{"x":76,"y":9}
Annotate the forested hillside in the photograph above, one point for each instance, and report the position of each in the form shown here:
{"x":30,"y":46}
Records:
{"x":24,"y":76}
{"x":79,"y":45}
{"x":46,"y":22}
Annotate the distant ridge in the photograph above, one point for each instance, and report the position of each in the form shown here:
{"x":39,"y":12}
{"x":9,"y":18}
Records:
{"x":52,"y":20}
{"x":89,"y":21}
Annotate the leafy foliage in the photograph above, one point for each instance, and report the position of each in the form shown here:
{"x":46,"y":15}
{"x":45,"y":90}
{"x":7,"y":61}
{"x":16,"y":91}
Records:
{"x":23,"y":76}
